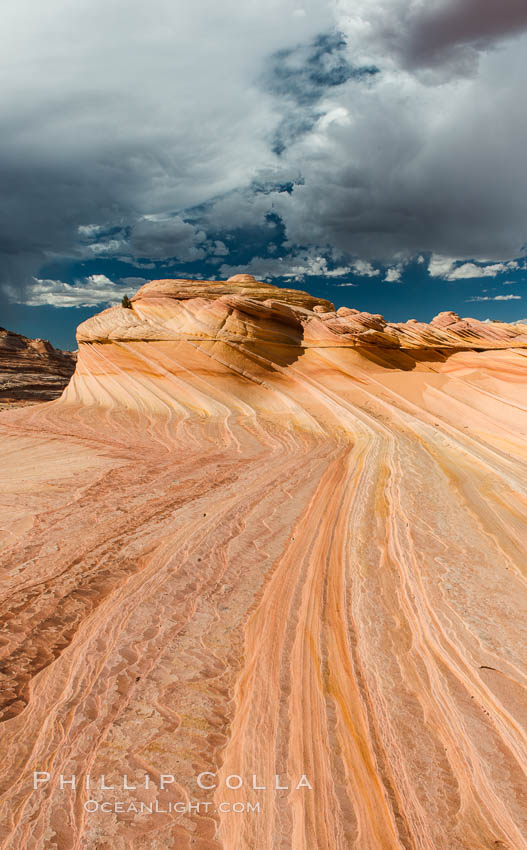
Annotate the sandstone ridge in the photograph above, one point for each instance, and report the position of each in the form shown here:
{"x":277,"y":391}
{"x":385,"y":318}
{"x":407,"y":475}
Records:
{"x":257,"y":536}
{"x":31,"y":370}
{"x":233,"y":309}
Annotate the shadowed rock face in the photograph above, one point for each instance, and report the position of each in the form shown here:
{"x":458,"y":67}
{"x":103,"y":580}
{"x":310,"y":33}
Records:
{"x":31,"y":370}
{"x":269,"y":538}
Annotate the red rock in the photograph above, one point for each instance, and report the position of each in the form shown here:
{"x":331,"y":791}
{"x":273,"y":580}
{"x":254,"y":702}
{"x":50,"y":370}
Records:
{"x":31,"y":370}
{"x":444,"y":319}
{"x":248,"y":540}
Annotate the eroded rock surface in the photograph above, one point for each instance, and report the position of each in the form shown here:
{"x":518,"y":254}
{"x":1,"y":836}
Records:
{"x":259,"y":536}
{"x":31,"y":370}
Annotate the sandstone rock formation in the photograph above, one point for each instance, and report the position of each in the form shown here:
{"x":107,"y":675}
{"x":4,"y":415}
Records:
{"x":257,"y":536}
{"x":31,"y":369}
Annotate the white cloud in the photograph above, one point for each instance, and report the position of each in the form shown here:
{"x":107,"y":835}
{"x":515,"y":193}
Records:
{"x":294,"y":267}
{"x":339,"y":271}
{"x":108,"y":248}
{"x":364,"y":269}
{"x":93,"y":291}
{"x":88,"y":231}
{"x":392,"y":275}
{"x":495,"y":298}
{"x":447,"y":268}
{"x":440,"y":266}
{"x":470,"y":270}
{"x":157,"y":237}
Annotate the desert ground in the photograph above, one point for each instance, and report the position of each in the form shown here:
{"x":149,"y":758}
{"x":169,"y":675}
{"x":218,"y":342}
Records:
{"x":258,"y":537}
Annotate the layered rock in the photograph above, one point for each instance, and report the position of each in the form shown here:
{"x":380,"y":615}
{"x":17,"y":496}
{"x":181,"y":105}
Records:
{"x":269,"y":538}
{"x":233,"y":309}
{"x":31,"y":370}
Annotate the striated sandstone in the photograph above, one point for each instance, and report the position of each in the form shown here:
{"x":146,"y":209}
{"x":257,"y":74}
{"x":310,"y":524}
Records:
{"x":252,"y":538}
{"x":31,"y":370}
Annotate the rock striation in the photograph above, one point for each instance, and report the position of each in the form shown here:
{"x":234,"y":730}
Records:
{"x":31,"y":370}
{"x":271,"y":539}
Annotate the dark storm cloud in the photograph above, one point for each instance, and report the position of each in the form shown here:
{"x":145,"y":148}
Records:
{"x":117,"y":117}
{"x":161,"y":239}
{"x":398,"y":174}
{"x":429,"y":159}
{"x":369,"y":129}
{"x":42,"y":203}
{"x":440,"y":32}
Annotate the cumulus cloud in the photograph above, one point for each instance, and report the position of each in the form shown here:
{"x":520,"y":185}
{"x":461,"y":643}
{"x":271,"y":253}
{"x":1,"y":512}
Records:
{"x":409,"y":165}
{"x":495,"y":298}
{"x":393,"y":275}
{"x":95,"y":290}
{"x":295,"y":267}
{"x":450,"y":269}
{"x":364,"y":269}
{"x":415,"y":169}
{"x":373,"y":131}
{"x":440,"y":266}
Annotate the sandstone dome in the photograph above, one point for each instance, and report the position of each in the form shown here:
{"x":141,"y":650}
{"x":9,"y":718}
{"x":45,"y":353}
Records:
{"x":260,"y":536}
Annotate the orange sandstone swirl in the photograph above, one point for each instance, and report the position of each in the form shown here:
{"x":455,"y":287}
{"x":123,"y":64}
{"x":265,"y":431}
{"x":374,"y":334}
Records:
{"x":265,"y":542}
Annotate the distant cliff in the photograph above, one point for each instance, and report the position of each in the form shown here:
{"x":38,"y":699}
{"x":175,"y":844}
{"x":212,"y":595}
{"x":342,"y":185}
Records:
{"x":32,"y":369}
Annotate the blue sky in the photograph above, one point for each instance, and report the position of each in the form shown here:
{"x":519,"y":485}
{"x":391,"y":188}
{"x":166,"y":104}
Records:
{"x":370,"y":152}
{"x":414,"y":292}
